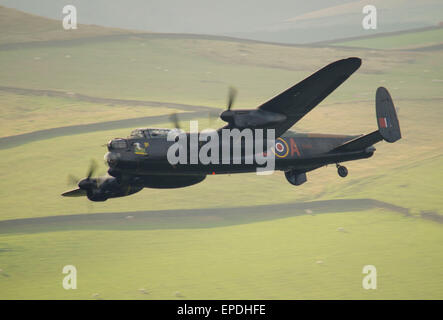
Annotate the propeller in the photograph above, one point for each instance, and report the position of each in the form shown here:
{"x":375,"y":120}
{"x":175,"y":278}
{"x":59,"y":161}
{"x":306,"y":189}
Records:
{"x":85,"y":184}
{"x":89,"y":183}
{"x":228,"y":115}
{"x":174,"y":119}
{"x":72,"y":180}
{"x":92,"y":168}
{"x":231,"y":97}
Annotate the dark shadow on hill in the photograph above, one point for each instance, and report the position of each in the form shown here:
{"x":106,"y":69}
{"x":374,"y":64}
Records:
{"x":433,"y":216}
{"x":108,"y":101}
{"x":17,"y":140}
{"x":190,"y":218}
{"x":138,"y":36}
{"x":376,"y":35}
{"x":436,"y":47}
{"x":193,"y":112}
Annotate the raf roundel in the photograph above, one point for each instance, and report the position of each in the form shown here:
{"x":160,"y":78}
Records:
{"x":281,"y":148}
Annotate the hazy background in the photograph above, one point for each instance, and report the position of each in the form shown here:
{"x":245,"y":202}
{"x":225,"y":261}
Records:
{"x":291,"y":21}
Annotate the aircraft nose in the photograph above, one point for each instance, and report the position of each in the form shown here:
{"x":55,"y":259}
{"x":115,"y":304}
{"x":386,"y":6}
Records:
{"x":111,"y":158}
{"x":227,"y":115}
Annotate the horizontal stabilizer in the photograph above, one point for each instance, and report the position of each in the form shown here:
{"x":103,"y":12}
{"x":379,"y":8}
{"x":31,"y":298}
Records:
{"x":359,"y":143}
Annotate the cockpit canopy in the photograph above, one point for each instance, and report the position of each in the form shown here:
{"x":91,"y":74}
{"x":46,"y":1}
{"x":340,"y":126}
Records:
{"x":120,"y":143}
{"x":149,"y":133}
{"x":117,"y":143}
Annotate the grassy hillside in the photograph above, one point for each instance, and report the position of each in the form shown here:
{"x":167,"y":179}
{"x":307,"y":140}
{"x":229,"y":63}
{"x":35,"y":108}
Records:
{"x":304,"y":257}
{"x":282,"y":254}
{"x":408,"y":40}
{"x":200,"y":71}
{"x":28,"y":113}
{"x":17,"y":27}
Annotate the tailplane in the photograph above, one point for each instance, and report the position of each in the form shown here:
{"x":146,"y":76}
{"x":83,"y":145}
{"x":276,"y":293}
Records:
{"x":388,"y":126}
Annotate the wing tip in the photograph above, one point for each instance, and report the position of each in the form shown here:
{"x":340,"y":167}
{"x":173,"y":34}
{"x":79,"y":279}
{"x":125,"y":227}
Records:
{"x":354,"y":61}
{"x":347,"y":66}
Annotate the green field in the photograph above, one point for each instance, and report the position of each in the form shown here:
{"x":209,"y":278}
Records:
{"x":278,"y":259}
{"x":231,"y":236}
{"x":409,"y":40}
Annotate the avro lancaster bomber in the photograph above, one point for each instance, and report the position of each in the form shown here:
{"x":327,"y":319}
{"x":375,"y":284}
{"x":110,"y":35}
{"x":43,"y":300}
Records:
{"x":141,"y":160}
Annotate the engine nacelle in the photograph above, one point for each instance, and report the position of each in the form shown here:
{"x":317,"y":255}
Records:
{"x":247,"y":118}
{"x":110,"y":188}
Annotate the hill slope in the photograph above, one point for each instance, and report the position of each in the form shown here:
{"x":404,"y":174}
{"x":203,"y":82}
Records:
{"x":345,"y":20}
{"x":17,"y":26}
{"x":415,"y":39}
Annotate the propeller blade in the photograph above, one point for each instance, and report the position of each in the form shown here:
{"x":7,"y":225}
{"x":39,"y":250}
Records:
{"x":174,"y":119}
{"x":72,"y":180}
{"x":92,"y":169}
{"x":74,"y":193}
{"x":231,"y":97}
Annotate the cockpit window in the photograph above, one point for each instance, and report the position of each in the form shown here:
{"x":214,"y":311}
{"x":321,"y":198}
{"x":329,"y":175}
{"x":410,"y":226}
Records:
{"x":158,"y":132}
{"x":137,"y":133}
{"x":118,"y":144}
{"x":149,"y":133}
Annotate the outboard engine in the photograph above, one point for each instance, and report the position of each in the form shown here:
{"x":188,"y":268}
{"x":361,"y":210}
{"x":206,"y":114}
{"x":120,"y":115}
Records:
{"x":103,"y":188}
